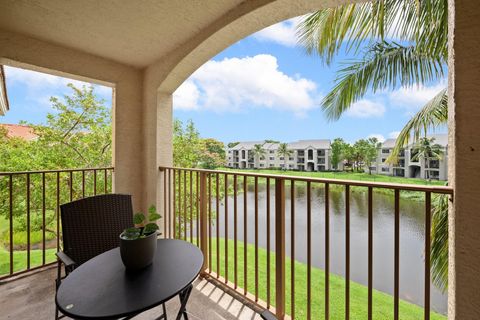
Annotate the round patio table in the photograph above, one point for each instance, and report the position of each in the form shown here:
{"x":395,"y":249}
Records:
{"x":101,"y":288}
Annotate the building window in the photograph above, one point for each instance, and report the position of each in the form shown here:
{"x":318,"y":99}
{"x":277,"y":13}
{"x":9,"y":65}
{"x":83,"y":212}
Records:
{"x":272,"y":158}
{"x":291,"y":158}
{"x":384,"y":169}
{"x":261,"y":165}
{"x":290,"y":166}
{"x":272,"y":151}
{"x":282,"y":166}
{"x":385,"y":150}
{"x":282,"y":158}
{"x":383,"y":159}
{"x":271,"y":165}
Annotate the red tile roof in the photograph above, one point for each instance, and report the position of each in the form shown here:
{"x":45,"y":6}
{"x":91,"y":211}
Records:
{"x":19,"y":131}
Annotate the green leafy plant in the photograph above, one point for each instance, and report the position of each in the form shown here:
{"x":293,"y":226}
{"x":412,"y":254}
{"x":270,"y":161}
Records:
{"x":145,"y":225}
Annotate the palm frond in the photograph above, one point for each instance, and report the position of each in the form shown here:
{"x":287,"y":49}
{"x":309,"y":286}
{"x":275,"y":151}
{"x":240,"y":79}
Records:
{"x":439,"y":242}
{"x":433,"y":114}
{"x":423,"y":22}
{"x":385,"y":64}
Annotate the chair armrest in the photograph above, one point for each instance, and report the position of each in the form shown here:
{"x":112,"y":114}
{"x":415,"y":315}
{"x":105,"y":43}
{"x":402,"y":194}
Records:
{"x":66,"y":260}
{"x":267,"y":315}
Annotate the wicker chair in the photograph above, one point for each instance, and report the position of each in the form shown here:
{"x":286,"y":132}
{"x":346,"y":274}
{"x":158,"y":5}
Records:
{"x":91,"y":226}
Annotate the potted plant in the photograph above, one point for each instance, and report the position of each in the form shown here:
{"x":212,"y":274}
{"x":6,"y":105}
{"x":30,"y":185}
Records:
{"x":138,"y":244}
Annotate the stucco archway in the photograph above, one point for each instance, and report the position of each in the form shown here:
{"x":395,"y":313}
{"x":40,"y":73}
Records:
{"x":162,"y":78}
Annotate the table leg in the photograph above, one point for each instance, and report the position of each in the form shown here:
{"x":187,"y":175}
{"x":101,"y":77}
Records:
{"x":184,"y":295}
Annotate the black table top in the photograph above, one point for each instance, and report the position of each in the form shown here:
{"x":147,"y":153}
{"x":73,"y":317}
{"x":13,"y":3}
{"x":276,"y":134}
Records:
{"x":101,"y":287}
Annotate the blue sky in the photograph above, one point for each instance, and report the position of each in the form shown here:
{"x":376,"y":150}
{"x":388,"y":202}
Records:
{"x":262,"y":87}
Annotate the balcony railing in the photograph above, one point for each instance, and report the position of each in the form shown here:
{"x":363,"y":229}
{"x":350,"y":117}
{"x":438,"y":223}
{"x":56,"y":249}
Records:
{"x":30,"y":215}
{"x":193,"y":201}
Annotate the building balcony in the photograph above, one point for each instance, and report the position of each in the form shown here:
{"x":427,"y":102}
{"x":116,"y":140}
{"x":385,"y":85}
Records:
{"x":238,"y":280}
{"x":32,"y":297}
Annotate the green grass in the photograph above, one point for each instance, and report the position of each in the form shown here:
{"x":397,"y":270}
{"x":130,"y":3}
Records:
{"x":382,"y":303}
{"x":358,"y":176}
{"x":20,"y":256}
{"x":20,"y":259}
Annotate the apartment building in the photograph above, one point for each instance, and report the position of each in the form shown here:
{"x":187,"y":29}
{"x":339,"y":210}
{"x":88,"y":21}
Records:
{"x":408,"y":166}
{"x":306,"y":155}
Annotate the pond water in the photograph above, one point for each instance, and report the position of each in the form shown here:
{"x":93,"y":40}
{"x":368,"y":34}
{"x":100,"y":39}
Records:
{"x":412,"y":232}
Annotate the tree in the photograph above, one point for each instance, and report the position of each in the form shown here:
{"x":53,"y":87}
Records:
{"x":367,"y":150}
{"x":339,"y":147}
{"x":284,"y":152}
{"x":258,"y":152}
{"x":212,"y":153}
{"x":186,"y":144}
{"x":425,"y":150}
{"x":421,"y":27}
{"x":77,"y":134}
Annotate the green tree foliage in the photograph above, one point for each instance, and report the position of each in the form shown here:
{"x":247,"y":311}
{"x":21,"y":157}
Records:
{"x":284,"y":152}
{"x":258,"y":152}
{"x":421,"y":27}
{"x":212,"y":154}
{"x":192,"y":151}
{"x":425,"y":150}
{"x":366,"y":151}
{"x":77,"y":134}
{"x":339,"y":149}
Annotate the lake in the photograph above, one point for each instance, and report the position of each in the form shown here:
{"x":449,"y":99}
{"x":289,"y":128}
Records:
{"x":412,"y":230}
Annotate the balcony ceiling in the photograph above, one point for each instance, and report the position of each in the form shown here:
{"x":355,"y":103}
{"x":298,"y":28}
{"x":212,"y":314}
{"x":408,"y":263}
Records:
{"x":131,"y":32}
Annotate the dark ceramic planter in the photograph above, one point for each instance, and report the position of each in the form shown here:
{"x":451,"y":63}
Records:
{"x":139,"y":253}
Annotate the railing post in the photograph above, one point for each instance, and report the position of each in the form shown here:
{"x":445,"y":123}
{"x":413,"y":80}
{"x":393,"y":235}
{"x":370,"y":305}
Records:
{"x":203,"y":220}
{"x":280,"y":247}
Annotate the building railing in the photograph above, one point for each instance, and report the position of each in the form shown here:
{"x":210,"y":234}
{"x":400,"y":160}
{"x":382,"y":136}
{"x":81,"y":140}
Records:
{"x":30,"y":213}
{"x":192,"y":201}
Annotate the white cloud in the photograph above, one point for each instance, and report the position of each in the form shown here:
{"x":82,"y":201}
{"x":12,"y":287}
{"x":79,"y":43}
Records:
{"x":379,"y":137}
{"x":366,"y":109}
{"x":393,"y":134}
{"x":233,"y":84}
{"x":283,"y":33}
{"x":41,"y":86}
{"x":186,"y":96}
{"x":414,"y":98}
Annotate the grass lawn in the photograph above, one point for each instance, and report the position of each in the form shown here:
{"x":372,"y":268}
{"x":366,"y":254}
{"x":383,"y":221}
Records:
{"x":20,"y":259}
{"x":20,"y":256}
{"x":344,"y":176}
{"x":382,"y":303}
{"x":358,"y":176}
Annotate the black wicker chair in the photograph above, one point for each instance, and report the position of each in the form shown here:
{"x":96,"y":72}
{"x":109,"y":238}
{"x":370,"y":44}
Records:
{"x":91,"y":226}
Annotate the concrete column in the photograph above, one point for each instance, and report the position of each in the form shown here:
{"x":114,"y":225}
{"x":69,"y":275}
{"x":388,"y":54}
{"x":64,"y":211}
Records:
{"x":464,"y":159}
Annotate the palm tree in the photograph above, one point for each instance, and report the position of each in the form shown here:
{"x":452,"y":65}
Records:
{"x":425,"y":149}
{"x":258,"y":152}
{"x":420,"y":26}
{"x":418,"y":57}
{"x":284,"y":152}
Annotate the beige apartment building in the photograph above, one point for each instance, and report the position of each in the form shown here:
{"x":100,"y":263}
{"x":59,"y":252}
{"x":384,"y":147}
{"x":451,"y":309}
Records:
{"x":409,"y":166}
{"x":306,"y":155}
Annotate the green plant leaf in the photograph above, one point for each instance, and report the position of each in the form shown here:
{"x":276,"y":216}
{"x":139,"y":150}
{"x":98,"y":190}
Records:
{"x":154,"y":217}
{"x":150,"y":228}
{"x":138,"y":218}
{"x":152,"y":209}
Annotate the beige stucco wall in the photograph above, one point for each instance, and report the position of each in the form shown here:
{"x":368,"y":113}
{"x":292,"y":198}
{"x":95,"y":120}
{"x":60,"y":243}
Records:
{"x":28,"y":53}
{"x":464,"y":159}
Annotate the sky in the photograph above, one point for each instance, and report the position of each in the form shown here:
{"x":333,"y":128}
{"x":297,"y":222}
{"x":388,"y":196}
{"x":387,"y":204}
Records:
{"x":263,"y":87}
